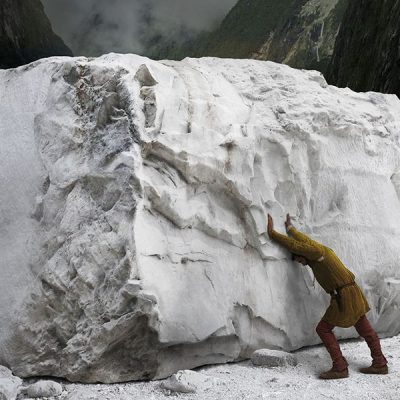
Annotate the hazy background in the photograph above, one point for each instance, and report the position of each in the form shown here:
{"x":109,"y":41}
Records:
{"x":94,"y":27}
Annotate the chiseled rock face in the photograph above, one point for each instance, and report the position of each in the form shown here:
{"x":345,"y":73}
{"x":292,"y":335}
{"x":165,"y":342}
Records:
{"x":133,"y":211}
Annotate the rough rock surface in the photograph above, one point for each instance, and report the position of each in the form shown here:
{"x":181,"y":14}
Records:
{"x":133,"y":211}
{"x":273,"y":358}
{"x":9,"y":384}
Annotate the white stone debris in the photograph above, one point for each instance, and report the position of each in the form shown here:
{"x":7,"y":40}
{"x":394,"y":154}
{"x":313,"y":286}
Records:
{"x":9,"y":384}
{"x":43,"y":388}
{"x":187,"y":381}
{"x":273,"y":358}
{"x":133,"y":204}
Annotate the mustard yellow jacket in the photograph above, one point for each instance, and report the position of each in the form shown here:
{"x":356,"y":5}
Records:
{"x":331,"y":274}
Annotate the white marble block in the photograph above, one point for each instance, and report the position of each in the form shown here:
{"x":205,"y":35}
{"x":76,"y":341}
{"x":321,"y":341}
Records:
{"x":133,"y":206}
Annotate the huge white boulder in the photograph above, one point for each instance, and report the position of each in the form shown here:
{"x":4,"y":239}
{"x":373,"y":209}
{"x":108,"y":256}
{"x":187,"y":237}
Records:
{"x":133,"y":208}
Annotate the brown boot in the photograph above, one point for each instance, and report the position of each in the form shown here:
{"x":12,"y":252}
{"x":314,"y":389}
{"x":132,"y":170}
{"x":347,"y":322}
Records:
{"x":333,"y":374}
{"x":366,"y":331}
{"x":375,"y":370}
{"x":340,"y":364}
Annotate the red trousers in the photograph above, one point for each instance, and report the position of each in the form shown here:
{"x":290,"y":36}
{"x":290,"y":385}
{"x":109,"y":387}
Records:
{"x":364,"y":329}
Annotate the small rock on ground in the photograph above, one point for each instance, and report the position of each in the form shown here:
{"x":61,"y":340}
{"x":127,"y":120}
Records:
{"x":188,"y":381}
{"x":43,"y":389}
{"x":273,"y":358}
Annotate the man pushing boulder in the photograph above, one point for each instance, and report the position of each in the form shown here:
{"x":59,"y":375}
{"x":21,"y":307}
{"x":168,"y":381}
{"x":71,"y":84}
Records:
{"x":348,"y":304}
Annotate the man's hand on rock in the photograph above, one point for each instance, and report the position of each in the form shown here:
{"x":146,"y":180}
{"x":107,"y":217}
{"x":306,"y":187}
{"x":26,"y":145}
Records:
{"x":270,"y":226}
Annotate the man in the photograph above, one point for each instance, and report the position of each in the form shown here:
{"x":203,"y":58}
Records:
{"x":348,"y":304}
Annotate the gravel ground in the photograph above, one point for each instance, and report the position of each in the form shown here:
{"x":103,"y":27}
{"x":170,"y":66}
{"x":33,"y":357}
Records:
{"x":244,"y":381}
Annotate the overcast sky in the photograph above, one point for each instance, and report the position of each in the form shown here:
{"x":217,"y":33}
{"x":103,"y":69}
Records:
{"x":93,"y":27}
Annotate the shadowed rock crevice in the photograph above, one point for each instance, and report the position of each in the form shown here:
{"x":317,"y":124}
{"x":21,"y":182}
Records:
{"x":249,"y":327}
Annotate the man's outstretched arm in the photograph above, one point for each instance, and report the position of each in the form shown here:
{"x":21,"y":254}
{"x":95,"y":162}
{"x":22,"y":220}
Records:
{"x":309,"y":251}
{"x":301,"y":237}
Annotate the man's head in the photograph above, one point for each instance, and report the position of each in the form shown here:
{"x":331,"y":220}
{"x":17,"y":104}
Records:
{"x":300,"y":259}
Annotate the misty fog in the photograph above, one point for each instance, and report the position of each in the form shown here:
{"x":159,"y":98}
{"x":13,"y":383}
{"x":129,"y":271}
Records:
{"x":95,"y":27}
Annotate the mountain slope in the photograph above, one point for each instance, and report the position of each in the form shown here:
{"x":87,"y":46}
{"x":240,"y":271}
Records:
{"x":245,"y":28}
{"x":366,"y":55}
{"x":306,"y":39}
{"x":300,"y":33}
{"x":26,"y":34}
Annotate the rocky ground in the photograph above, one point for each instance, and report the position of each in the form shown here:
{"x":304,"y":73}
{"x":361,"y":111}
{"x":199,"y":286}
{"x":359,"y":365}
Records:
{"x":243,"y":380}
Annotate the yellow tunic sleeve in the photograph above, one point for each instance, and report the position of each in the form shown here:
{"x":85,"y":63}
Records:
{"x":301,"y":237}
{"x":309,"y":251}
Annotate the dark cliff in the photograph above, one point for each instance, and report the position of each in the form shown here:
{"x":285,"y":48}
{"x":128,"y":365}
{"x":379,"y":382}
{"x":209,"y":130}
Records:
{"x":300,"y":33}
{"x":26,"y":34}
{"x":367,"y":50}
{"x":244,"y":30}
{"x":307,"y":37}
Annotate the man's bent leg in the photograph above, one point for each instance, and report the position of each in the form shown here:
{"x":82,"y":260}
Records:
{"x":366,"y":331}
{"x":324,"y":330}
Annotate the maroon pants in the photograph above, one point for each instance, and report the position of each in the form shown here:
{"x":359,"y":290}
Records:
{"x":364,"y":329}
